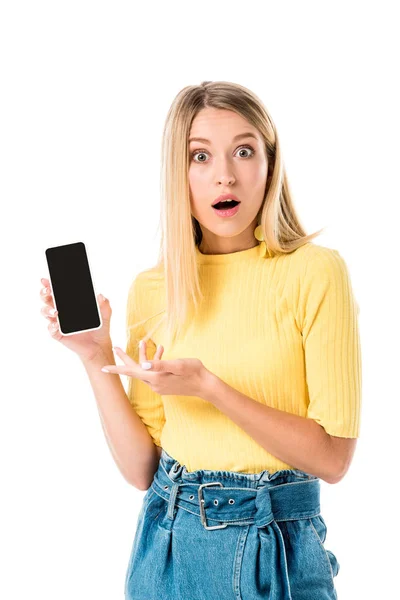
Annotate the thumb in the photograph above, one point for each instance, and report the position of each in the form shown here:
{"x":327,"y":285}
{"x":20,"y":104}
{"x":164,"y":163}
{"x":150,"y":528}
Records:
{"x":104,"y":305}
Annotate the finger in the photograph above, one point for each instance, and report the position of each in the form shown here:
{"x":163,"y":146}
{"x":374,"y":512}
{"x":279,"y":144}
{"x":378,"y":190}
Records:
{"x":49,"y":312}
{"x":45,"y":292}
{"x":124,"y":356}
{"x":119,"y":370}
{"x":48,"y":300}
{"x":142,"y":351}
{"x":46,"y":295}
{"x":55,"y":331}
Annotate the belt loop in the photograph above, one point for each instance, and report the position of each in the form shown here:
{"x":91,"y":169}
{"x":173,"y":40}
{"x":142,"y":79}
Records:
{"x":175,"y":470}
{"x":171,"y":500}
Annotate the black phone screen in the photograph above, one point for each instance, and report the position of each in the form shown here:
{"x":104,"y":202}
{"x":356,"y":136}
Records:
{"x":72,"y":288}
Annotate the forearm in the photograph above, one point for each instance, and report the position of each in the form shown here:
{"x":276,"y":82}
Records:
{"x":127,"y":437}
{"x":297,"y":441}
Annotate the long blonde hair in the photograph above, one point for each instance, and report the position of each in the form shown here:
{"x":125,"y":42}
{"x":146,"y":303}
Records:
{"x":180,"y":231}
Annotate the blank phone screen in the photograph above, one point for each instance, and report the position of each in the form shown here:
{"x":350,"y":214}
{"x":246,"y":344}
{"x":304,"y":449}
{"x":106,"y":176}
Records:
{"x":72,"y":288}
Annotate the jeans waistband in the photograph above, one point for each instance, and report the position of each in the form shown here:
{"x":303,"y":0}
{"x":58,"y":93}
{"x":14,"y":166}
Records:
{"x":222,"y":503}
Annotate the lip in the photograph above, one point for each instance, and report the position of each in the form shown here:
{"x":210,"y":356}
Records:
{"x":229,"y":212}
{"x":225,"y":197}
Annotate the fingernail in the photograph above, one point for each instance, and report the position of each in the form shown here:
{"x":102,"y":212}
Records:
{"x":105,"y":370}
{"x":146,"y":365}
{"x":101,"y":297}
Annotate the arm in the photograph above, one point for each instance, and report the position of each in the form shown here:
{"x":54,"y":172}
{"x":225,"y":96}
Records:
{"x":326,"y":311}
{"x":295,"y":440}
{"x":130,"y":444}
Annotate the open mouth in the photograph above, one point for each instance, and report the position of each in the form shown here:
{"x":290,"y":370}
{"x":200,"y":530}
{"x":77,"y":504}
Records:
{"x":225,"y":205}
{"x":227,"y":209}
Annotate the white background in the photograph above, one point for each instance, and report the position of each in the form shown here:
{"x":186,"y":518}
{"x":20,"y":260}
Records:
{"x":85,"y":89}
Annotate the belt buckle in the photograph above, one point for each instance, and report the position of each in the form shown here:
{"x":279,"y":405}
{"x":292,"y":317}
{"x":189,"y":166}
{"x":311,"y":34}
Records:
{"x":201,"y":505}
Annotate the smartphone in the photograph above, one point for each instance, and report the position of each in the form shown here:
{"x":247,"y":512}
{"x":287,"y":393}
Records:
{"x":72,"y":288}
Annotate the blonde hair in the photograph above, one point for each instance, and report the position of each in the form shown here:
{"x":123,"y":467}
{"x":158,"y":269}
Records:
{"x":180,"y":231}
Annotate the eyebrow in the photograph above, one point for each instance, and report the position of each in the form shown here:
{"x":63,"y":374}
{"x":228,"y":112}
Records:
{"x":237,"y":137}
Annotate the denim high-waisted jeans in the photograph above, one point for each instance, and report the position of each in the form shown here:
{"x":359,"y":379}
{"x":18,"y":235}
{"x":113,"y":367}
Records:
{"x":226,"y":535}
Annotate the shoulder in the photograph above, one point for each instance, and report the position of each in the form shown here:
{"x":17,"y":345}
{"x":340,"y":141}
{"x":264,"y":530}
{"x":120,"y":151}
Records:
{"x":147,"y":281}
{"x":323,"y":273}
{"x":322,"y":278}
{"x":316,"y":260}
{"x":311,"y":250}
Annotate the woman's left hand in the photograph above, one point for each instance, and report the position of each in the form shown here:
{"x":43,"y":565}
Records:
{"x":179,"y":377}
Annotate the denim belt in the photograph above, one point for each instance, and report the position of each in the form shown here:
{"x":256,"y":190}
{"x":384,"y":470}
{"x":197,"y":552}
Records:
{"x":228,"y":505}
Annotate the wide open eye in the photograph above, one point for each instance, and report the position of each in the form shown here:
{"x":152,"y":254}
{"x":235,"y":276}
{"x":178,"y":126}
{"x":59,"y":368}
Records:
{"x":202,"y":151}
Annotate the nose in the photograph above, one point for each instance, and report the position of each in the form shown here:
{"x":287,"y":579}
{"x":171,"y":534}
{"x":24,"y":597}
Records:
{"x":227,"y":180}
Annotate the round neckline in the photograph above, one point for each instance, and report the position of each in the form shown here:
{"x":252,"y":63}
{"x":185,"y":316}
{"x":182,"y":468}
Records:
{"x":231,"y":257}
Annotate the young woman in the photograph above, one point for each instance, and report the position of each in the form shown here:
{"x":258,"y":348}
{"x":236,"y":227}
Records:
{"x":253,"y":393}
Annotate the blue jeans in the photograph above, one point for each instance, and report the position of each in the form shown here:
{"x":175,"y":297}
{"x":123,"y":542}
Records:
{"x":226,"y":535}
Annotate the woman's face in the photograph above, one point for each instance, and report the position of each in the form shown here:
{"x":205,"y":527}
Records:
{"x":223,"y":165}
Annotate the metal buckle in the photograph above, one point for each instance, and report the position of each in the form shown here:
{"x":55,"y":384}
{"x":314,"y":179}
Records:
{"x":201,"y":505}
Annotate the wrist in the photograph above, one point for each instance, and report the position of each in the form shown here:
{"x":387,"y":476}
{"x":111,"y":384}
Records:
{"x":210,"y":386}
{"x":103,"y":356}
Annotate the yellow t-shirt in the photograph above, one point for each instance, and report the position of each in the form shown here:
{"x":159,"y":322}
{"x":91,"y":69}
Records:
{"x":281,"y":329}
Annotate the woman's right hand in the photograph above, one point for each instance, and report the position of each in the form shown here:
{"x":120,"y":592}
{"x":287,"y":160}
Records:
{"x":87,"y":344}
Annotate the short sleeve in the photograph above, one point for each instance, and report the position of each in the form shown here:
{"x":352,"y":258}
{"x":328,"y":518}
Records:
{"x":328,"y":320}
{"x":147,"y":403}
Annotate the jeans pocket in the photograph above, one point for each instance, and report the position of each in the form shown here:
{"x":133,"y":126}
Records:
{"x":310,"y":569}
{"x":319,"y":527}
